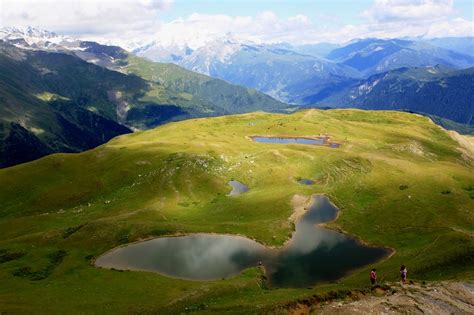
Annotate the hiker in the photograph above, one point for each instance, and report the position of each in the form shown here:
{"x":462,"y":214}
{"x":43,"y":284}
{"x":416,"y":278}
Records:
{"x":403,"y":273}
{"x":373,"y":276}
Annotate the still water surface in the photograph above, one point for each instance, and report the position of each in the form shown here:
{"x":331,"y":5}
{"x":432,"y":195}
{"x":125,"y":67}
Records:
{"x":237,"y":188}
{"x":325,"y":141}
{"x":305,"y":181}
{"x":313,"y":254}
{"x":286,"y":140}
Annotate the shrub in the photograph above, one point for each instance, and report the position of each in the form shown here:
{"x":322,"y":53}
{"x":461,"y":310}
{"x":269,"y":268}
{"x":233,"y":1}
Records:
{"x":6,"y":256}
{"x":55,"y":260}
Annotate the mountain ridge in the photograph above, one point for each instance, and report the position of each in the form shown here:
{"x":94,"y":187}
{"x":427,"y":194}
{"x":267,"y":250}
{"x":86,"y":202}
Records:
{"x":169,"y":92}
{"x":72,"y":87}
{"x":438,"y":91}
{"x":294,"y":74}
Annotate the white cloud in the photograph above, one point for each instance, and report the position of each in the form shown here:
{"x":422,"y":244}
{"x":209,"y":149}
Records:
{"x":198,"y":28}
{"x":128,"y":22}
{"x":85,"y":17}
{"x":270,"y":28}
{"x":405,"y":10}
{"x":454,"y":27}
{"x":430,"y":18}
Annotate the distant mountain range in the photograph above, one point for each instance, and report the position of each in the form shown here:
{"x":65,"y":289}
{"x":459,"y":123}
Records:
{"x":370,"y":56}
{"x":463,"y":45}
{"x":281,"y":71}
{"x":438,"y":91}
{"x":304,"y":74}
{"x":58,"y":94}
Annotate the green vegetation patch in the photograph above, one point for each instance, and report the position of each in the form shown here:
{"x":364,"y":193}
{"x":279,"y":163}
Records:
{"x":387,"y":177}
{"x":48,"y":97}
{"x":6,"y":256}
{"x":54,"y":258}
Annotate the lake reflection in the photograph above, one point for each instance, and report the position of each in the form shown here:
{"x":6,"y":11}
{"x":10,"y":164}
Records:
{"x":313,"y":254}
{"x":197,"y":256}
{"x":316,"y":254}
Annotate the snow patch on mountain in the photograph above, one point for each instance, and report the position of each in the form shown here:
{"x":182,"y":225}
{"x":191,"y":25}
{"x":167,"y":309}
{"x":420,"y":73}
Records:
{"x":218,"y":51}
{"x":38,"y":39}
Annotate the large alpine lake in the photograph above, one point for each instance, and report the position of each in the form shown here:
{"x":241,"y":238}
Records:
{"x":314,"y":253}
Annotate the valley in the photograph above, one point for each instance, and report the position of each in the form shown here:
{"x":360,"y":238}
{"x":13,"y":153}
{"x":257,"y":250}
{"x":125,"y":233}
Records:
{"x":62,"y":102}
{"x":236,"y":157}
{"x":63,"y":211}
{"x":61,"y":94}
{"x":402,"y":74}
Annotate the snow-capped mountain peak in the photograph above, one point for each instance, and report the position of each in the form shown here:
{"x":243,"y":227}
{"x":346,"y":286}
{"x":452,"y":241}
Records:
{"x":36,"y":38}
{"x":217,"y":51}
{"x":39,"y":33}
{"x":212,"y":49}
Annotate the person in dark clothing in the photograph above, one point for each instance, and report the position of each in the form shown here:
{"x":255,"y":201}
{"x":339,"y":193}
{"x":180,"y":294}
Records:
{"x":403,"y":273}
{"x":373,"y":276}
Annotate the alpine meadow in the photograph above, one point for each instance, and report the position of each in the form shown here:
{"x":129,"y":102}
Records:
{"x":224,"y":157}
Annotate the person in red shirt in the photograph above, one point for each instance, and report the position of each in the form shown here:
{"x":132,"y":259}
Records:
{"x":373,"y":276}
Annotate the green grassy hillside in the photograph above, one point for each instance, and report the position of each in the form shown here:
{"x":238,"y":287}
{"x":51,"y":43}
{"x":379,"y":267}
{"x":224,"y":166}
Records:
{"x":196,"y":94}
{"x":53,"y":102}
{"x":437,"y":91}
{"x":399,"y":180}
{"x":56,"y":102}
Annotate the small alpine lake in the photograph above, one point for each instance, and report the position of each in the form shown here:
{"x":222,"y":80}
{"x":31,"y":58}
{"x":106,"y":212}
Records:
{"x":305,"y":181}
{"x":314,"y":254}
{"x":323,"y":140}
{"x":237,"y":188}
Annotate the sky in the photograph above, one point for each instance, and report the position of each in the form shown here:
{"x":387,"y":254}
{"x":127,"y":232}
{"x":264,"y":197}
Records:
{"x":193,"y":22}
